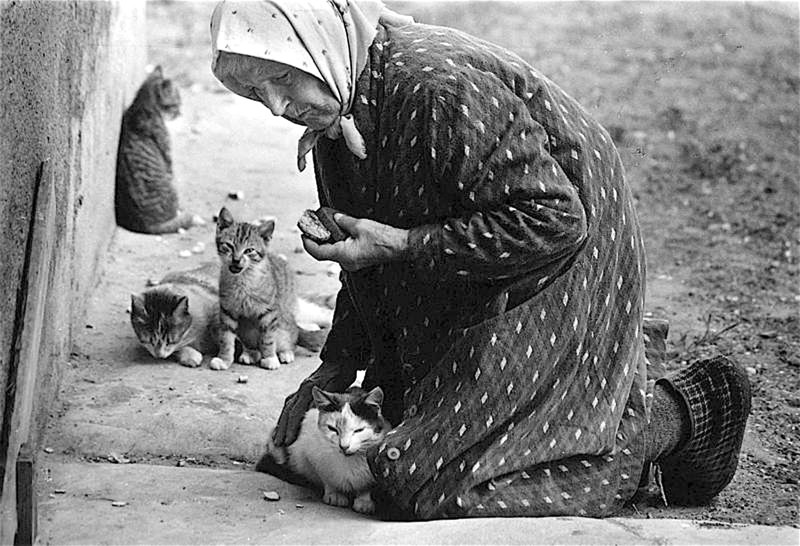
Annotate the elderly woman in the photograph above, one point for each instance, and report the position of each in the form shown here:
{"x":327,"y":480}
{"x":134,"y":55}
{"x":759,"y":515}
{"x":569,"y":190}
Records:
{"x":494,"y":272}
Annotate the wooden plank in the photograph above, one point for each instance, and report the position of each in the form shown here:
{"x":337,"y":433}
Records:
{"x":28,"y":344}
{"x":26,"y":497}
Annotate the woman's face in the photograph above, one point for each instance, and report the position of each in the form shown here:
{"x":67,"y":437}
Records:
{"x":287,"y":91}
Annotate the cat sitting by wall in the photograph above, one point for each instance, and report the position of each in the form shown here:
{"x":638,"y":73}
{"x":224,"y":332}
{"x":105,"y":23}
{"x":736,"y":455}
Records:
{"x":145,"y":199}
{"x":330,"y":450}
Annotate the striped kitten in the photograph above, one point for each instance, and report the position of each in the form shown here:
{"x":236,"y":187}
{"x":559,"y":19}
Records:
{"x":177,"y":318}
{"x":145,"y":199}
{"x":257,"y":299}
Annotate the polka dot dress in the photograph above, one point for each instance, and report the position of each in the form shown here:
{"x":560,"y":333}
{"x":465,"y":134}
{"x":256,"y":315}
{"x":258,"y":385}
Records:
{"x":509,"y":344}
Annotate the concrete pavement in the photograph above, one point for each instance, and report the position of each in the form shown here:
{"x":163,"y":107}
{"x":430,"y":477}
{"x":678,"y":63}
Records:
{"x":171,"y":505}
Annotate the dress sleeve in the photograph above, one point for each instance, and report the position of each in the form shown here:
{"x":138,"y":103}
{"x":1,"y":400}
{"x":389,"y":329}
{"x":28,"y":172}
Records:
{"x":515,"y":209}
{"x":347,"y":343}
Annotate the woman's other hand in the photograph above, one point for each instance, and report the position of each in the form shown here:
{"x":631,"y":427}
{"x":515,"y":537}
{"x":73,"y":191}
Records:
{"x":330,"y":376}
{"x":369,"y":243}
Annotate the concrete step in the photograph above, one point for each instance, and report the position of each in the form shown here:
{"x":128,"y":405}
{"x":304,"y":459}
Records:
{"x":194,"y":505}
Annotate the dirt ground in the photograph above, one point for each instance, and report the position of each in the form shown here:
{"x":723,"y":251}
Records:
{"x":702,"y":100}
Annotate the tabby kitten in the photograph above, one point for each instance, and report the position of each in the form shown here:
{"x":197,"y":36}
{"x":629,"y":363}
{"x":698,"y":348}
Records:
{"x":257,"y":300}
{"x":330,"y":450}
{"x":177,"y":318}
{"x":145,"y":199}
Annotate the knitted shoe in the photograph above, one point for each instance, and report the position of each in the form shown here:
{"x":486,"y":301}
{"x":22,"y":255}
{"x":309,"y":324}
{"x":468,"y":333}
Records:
{"x":717,"y":393}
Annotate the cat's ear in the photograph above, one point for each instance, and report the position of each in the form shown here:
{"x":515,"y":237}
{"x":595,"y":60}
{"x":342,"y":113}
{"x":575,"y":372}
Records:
{"x":137,"y":306}
{"x":182,"y":307}
{"x":266,"y":229}
{"x":323,"y":400}
{"x":374,"y":398}
{"x":157,"y":71}
{"x":224,"y":218}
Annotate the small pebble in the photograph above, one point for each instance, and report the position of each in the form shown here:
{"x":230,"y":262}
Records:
{"x":236,"y":195}
{"x":119,"y":503}
{"x":159,"y":238}
{"x":185,"y":253}
{"x":298,"y":505}
{"x":198,"y":248}
{"x":48,"y":450}
{"x":181,"y":463}
{"x":181,"y":231}
{"x":272,"y":496}
{"x":198,"y":220}
{"x":751,"y":370}
{"x":60,"y":491}
{"x":151,"y":282}
{"x":242,"y":379}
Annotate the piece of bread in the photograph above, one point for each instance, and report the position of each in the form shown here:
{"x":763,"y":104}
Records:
{"x":320,"y":227}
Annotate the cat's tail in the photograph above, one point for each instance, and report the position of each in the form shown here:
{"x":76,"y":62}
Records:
{"x":275,"y":461}
{"x":183,"y":220}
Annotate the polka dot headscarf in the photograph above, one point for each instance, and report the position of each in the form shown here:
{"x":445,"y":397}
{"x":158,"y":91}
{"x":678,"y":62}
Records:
{"x":328,"y":39}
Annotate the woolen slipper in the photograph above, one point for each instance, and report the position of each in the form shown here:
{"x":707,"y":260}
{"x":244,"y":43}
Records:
{"x":717,"y":394}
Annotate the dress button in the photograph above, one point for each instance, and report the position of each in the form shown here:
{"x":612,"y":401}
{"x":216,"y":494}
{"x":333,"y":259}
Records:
{"x":412,"y":411}
{"x":393,"y":453}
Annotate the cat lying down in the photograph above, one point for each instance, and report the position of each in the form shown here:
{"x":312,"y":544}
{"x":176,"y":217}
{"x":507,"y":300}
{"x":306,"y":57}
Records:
{"x":330,"y":451}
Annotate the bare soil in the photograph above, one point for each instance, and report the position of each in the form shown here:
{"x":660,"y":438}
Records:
{"x":702,"y":100}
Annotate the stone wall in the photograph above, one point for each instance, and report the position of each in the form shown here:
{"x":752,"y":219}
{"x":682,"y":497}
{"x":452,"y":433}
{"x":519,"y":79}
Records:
{"x":67,"y":71}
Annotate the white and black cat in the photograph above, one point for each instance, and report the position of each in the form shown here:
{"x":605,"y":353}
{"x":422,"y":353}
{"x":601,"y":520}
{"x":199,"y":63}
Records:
{"x":330,"y":451}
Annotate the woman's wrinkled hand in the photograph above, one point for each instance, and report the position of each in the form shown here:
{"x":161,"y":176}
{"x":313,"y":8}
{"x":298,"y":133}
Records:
{"x":330,"y":376}
{"x":369,"y":243}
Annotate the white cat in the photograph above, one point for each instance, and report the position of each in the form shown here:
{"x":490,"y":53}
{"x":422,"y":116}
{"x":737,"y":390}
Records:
{"x":334,"y":438}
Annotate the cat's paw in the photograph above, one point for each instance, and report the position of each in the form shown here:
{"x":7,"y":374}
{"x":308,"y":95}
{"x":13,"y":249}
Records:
{"x":249,"y":357}
{"x":190,"y":358}
{"x":364,"y":504}
{"x":286,"y":357}
{"x":334,"y":498}
{"x":270,"y":363}
{"x":218,"y":364}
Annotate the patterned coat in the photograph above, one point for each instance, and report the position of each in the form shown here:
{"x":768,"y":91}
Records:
{"x":510,"y":342}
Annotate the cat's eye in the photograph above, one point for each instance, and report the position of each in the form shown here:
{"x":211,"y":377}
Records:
{"x":332,"y":428}
{"x":284,"y":78}
{"x":356,"y":431}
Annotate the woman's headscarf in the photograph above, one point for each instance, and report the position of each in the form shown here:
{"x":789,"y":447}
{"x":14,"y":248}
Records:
{"x":328,"y":39}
